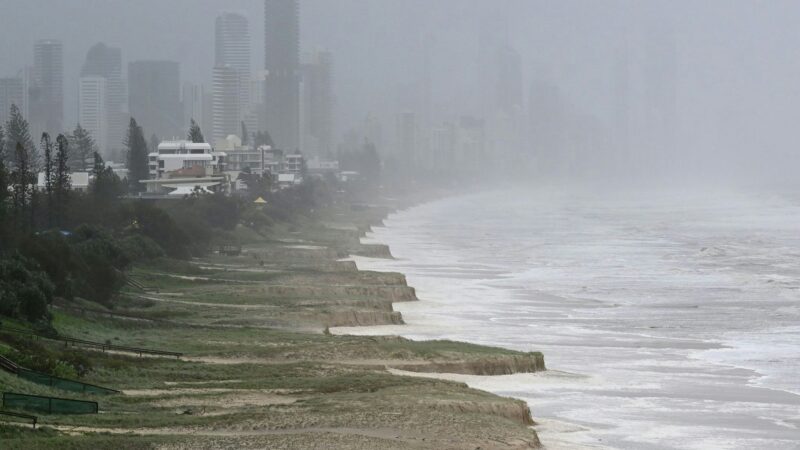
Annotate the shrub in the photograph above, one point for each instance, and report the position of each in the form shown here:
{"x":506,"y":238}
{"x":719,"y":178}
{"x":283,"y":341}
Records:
{"x":25,"y":291}
{"x":137,"y":247}
{"x":100,"y":263}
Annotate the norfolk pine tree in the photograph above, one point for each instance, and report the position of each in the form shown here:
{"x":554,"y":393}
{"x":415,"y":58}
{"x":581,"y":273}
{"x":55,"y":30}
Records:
{"x":136,"y":156}
{"x":82,"y":148}
{"x":195,"y":133}
{"x":61,"y":181}
{"x":18,"y":132}
{"x":49,"y":174}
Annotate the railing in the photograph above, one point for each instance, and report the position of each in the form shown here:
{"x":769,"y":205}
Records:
{"x":102,"y":346}
{"x":33,"y":419}
{"x":52,"y":381}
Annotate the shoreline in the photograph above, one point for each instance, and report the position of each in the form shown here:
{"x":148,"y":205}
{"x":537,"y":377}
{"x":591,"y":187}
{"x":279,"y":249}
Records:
{"x":551,"y":428}
{"x":467,"y":378}
{"x":259,"y":369}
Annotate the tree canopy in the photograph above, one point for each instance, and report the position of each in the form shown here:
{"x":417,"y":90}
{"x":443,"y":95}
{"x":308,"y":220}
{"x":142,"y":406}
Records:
{"x":137,"y":156}
{"x":195,"y":133}
{"x":17,"y":131}
{"x":83,"y":147}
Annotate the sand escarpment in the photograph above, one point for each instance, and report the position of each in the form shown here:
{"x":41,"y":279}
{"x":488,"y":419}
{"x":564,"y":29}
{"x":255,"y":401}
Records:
{"x":483,"y":366}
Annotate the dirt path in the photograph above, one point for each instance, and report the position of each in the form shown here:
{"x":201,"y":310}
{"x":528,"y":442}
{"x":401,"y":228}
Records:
{"x":210,"y":305}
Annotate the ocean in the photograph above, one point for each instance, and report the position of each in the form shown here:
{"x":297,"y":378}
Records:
{"x":667,"y":320}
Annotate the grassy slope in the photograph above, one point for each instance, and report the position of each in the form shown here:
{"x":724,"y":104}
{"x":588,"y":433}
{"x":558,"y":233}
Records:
{"x":241,"y":379}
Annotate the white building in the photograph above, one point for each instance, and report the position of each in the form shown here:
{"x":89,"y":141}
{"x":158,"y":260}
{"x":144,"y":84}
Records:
{"x":181,"y":166}
{"x":293,"y":163}
{"x":79,"y":181}
{"x":226,"y":103}
{"x":92,"y":108}
{"x":231,"y":76}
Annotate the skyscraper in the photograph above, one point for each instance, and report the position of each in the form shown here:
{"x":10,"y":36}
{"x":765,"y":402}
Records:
{"x":196,"y":106}
{"x":46,"y":93}
{"x":407,"y":140}
{"x":317,"y":103}
{"x":225,"y":104}
{"x":12,"y":92}
{"x":232,"y":42}
{"x":282,"y":60}
{"x":154,"y":96}
{"x":508,"y":80}
{"x":231,"y":76}
{"x":93,"y":108}
{"x":106,"y":62}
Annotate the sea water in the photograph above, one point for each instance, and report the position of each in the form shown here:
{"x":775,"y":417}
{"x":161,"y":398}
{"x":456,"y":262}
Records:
{"x":666,"y":320}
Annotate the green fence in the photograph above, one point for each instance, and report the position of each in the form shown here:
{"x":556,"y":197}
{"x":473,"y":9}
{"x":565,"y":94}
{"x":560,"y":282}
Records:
{"x":63,"y":383}
{"x":48,"y":405}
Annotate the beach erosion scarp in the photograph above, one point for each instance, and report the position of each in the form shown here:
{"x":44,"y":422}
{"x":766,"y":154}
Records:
{"x":260,"y":367}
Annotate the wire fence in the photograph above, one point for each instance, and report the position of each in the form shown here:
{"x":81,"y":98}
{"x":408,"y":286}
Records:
{"x":48,"y":405}
{"x":63,"y":383}
{"x":99,"y":345}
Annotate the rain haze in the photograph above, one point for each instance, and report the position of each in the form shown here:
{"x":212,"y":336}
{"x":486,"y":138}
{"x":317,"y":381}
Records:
{"x":357,"y":224}
{"x":717,"y":80}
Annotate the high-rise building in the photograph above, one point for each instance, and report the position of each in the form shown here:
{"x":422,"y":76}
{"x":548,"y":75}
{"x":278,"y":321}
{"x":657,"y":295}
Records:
{"x":282,"y":60}
{"x":93,"y":104}
{"x":231,"y":100}
{"x":232,"y":42}
{"x":196,"y":106}
{"x":12,"y":92}
{"x":154,"y":97}
{"x":46,"y":93}
{"x":225,"y":103}
{"x":317,"y":105}
{"x":508,"y":80}
{"x":106,"y":62}
{"x":407,"y":140}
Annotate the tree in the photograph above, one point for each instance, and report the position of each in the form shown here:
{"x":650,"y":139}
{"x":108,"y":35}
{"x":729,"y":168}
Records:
{"x":105,"y":185}
{"x":263,"y":138}
{"x":4,"y":180}
{"x":49,"y":174}
{"x":22,"y":179}
{"x":2,"y":143}
{"x":83,"y":147}
{"x":61,"y":181}
{"x":24,"y":292}
{"x":245,"y":137}
{"x":18,"y":132}
{"x":195,"y":133}
{"x":136,"y":156}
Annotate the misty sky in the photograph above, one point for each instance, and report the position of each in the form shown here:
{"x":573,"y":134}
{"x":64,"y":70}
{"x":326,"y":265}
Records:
{"x":737,"y":77}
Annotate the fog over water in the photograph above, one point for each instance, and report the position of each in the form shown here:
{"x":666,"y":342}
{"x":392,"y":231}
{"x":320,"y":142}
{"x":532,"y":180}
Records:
{"x":707,"y":90}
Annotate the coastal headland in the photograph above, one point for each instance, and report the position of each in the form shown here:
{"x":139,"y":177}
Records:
{"x":259,"y":368}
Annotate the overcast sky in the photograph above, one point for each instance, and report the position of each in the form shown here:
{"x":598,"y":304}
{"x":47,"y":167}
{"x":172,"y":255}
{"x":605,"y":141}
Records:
{"x":737,"y":77}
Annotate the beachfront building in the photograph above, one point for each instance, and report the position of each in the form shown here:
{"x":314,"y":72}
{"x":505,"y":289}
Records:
{"x":181,"y":167}
{"x":78,"y":181}
{"x":294,"y":164}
